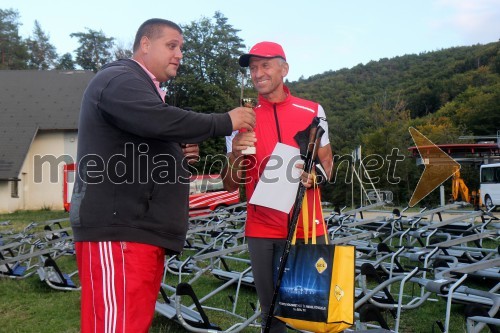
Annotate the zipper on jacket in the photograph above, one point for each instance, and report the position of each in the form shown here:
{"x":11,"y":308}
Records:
{"x":277,"y":122}
{"x":279,"y":140}
{"x":255,"y":206}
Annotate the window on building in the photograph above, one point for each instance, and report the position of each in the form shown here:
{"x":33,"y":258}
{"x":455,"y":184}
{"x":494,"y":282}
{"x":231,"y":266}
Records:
{"x":14,"y":189}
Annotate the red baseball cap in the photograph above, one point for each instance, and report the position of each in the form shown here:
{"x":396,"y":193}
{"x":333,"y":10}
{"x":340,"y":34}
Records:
{"x":263,"y":50}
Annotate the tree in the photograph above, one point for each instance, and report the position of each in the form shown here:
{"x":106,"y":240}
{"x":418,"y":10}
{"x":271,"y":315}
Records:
{"x":65,"y":62}
{"x":94,"y":50}
{"x":122,"y":52}
{"x":13,"y":52}
{"x":476,"y":109}
{"x":42,"y":54}
{"x":208,"y":80}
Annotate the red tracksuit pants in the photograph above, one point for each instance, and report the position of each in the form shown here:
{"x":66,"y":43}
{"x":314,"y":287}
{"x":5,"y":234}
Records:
{"x":120,"y":284}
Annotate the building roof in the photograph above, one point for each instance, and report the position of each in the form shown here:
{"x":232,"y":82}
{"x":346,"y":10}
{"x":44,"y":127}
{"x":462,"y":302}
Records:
{"x":462,"y":152}
{"x":32,"y":101}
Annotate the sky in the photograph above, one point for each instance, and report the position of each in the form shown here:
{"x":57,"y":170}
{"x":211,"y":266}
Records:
{"x":317,"y":35}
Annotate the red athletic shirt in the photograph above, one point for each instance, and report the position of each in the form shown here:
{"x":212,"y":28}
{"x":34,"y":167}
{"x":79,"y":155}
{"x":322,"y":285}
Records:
{"x":288,"y":117}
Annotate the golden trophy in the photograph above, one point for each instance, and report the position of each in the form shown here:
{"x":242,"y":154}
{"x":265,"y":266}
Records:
{"x":249,"y":103}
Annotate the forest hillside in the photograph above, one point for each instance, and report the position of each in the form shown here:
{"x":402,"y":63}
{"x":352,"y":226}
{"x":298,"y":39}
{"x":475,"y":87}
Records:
{"x":444,"y":94}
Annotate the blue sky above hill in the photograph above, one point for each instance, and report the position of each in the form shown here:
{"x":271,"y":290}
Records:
{"x":317,"y":36}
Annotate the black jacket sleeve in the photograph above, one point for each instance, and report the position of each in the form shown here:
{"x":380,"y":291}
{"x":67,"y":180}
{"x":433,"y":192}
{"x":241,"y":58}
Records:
{"x":129,"y":103}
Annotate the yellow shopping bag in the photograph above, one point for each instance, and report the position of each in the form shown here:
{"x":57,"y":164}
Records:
{"x":317,"y":287}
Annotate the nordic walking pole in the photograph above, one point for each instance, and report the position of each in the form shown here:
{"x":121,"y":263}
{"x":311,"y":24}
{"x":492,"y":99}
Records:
{"x":315,"y":134}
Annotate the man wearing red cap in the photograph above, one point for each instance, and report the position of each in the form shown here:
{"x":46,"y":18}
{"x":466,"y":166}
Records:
{"x":279,"y":117}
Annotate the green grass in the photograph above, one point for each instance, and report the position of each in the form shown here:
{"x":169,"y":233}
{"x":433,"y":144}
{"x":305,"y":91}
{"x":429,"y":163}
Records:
{"x":30,"y":305}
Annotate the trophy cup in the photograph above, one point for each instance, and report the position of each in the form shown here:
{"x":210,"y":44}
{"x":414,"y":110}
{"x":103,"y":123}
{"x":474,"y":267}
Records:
{"x":249,"y":103}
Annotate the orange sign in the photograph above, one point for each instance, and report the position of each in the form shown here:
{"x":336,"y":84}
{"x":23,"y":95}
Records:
{"x":439,"y":166}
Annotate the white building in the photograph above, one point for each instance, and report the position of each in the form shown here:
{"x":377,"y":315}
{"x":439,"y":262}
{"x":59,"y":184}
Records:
{"x":38,"y":133}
